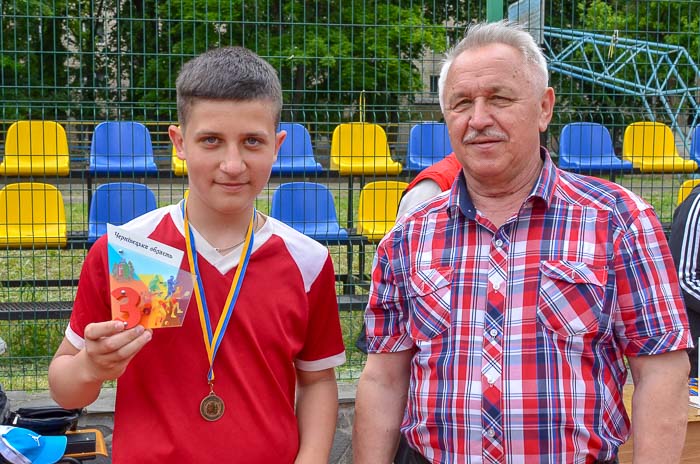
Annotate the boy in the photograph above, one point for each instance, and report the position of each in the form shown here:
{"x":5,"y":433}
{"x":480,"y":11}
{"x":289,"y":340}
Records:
{"x":177,"y":399}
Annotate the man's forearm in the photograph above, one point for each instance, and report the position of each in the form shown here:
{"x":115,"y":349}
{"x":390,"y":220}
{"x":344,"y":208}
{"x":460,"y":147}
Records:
{"x":379,"y":407}
{"x":660,"y":412}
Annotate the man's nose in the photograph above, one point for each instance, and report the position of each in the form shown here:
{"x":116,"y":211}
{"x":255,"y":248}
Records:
{"x":481,"y":115}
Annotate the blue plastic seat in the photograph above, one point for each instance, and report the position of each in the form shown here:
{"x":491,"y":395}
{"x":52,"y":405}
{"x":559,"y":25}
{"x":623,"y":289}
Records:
{"x":117,"y":203}
{"x":309,"y":208}
{"x":428,"y":143}
{"x":296,"y":155}
{"x":588,"y":147}
{"x":695,"y":145}
{"x":121,"y":147}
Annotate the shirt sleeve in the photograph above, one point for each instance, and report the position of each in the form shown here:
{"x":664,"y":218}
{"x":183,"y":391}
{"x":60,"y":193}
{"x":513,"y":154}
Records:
{"x":652,"y":317}
{"x":92,"y":300}
{"x":422,"y":191}
{"x":386,"y":315}
{"x":323,"y":348}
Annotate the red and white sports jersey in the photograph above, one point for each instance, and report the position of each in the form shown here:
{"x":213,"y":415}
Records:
{"x":286,"y":317}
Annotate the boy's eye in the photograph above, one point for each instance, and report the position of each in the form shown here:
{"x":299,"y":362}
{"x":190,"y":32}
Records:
{"x":253,"y":141}
{"x":211,"y":140}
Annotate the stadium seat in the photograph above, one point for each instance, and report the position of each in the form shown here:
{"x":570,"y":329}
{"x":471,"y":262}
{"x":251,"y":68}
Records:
{"x":588,"y":147}
{"x":309,"y":208}
{"x":379,"y":203}
{"x":36,"y":148}
{"x":296,"y":155}
{"x":695,"y":144}
{"x":428,"y":143}
{"x":117,"y":203}
{"x":178,"y":166}
{"x":121,"y":147}
{"x":651,"y":147}
{"x":32,"y":214}
{"x":361,"y":148}
{"x":685,"y":189}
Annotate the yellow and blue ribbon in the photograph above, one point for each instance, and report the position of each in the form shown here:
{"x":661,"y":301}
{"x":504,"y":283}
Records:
{"x":213,"y":341}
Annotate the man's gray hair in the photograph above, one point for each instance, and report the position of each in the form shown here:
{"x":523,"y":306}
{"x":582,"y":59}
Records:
{"x":500,"y":32}
{"x":229,"y":73}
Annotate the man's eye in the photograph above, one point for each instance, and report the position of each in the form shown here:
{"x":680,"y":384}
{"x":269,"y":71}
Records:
{"x":252,"y":141}
{"x":500,"y":100}
{"x":461,"y":106}
{"x":210,"y":140}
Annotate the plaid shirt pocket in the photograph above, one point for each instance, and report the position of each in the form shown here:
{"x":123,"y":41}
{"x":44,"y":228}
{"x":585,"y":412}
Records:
{"x":571,"y":296}
{"x":429,"y":295}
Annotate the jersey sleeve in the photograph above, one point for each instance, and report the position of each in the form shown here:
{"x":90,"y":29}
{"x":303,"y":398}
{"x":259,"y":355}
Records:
{"x":92,"y":301}
{"x":323,"y":347}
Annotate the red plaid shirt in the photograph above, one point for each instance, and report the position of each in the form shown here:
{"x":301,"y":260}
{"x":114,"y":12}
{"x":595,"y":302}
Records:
{"x":581,"y":276}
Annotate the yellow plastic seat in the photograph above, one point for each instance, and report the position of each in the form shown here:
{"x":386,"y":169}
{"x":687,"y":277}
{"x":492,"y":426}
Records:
{"x":32,"y":214}
{"x":36,"y":148}
{"x":686,"y":188}
{"x":361,"y":148}
{"x":379,"y":203}
{"x":651,"y":148}
{"x":178,"y":166}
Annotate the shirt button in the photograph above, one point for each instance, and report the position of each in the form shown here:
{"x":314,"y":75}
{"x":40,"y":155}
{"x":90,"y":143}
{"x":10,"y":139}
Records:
{"x":493,"y":332}
{"x":499,"y":243}
{"x":491,"y":432}
{"x":496,"y":286}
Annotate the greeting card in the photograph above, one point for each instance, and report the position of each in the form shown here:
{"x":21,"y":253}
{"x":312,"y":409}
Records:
{"x":145,"y":280}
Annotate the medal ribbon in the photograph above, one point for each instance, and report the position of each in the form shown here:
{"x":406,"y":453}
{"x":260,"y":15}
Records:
{"x":213,"y":341}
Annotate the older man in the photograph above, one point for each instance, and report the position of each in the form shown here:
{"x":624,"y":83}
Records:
{"x":501,"y":312}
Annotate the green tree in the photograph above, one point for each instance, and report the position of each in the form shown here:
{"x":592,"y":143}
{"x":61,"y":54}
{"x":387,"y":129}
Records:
{"x":326,"y":52}
{"x":33,"y":73}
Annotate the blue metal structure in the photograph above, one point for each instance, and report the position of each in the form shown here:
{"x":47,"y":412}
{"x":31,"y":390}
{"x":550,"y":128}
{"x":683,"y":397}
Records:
{"x":609,"y":61}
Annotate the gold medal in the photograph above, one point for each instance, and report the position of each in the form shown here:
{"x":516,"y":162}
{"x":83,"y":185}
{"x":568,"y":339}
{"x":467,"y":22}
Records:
{"x":212,"y":407}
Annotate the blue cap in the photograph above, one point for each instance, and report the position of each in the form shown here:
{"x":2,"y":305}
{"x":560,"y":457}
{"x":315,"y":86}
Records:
{"x":23,"y":446}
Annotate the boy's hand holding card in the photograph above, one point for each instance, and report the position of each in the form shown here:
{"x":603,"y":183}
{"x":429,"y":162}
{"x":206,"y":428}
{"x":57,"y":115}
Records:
{"x":146,"y":283}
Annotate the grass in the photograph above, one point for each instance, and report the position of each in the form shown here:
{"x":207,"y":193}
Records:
{"x":31,"y":343}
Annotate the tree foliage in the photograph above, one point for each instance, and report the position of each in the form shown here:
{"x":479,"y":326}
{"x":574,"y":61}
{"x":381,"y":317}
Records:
{"x":112,"y":57}
{"x":326,"y":53}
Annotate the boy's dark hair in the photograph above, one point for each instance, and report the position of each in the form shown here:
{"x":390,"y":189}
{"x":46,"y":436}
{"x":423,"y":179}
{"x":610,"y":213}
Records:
{"x":229,"y":73}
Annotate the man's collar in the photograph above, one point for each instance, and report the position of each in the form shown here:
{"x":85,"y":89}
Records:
{"x":460,"y":200}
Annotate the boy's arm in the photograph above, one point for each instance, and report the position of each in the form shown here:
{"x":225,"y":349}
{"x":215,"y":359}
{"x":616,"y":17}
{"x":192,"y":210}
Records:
{"x":76,"y":376}
{"x":317,"y":413}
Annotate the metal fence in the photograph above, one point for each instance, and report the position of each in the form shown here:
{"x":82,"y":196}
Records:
{"x":84,"y":62}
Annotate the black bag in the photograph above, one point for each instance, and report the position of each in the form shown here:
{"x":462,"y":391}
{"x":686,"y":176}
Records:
{"x":46,"y":420}
{"x":4,"y":407}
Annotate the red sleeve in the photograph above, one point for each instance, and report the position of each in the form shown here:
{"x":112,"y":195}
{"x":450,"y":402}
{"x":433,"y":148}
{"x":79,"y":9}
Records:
{"x":92,"y":301}
{"x":323,"y":347}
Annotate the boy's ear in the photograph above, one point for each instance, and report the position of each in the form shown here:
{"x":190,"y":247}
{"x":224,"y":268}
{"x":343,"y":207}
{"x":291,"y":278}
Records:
{"x":279,"y":139}
{"x":175,"y":133}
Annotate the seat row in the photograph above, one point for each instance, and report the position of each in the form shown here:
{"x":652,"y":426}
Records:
{"x":647,"y":147}
{"x":33,"y":213}
{"x":40,"y":148}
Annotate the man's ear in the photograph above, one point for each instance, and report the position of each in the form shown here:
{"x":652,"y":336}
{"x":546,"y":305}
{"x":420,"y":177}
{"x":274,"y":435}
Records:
{"x":175,"y":133}
{"x":546,"y":108}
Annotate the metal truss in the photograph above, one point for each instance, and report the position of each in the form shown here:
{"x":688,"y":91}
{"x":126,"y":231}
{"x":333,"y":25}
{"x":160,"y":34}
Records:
{"x":648,"y":70}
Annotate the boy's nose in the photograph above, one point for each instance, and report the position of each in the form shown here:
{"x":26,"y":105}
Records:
{"x":233,"y":161}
